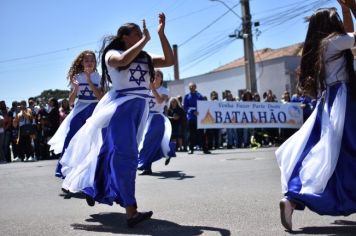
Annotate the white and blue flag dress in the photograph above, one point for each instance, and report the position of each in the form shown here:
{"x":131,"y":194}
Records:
{"x":157,"y":134}
{"x":318,"y":163}
{"x":83,"y":108}
{"x":101,"y":159}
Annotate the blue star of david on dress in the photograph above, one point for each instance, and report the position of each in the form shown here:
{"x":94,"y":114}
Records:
{"x":84,"y":91}
{"x":141,"y":72}
{"x":151,"y":103}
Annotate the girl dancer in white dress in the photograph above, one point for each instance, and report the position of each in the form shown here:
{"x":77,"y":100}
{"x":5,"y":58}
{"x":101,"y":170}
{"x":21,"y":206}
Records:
{"x":156,"y":142}
{"x":105,"y":149}
{"x":318,"y":163}
{"x":85,"y":86}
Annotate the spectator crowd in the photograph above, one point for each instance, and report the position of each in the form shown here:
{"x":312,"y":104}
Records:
{"x":26,"y":126}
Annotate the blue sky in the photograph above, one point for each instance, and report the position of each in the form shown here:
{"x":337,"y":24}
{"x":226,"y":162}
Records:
{"x":40,"y":38}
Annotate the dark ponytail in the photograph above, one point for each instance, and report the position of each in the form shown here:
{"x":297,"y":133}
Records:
{"x":151,"y":70}
{"x":109,"y":42}
{"x":349,"y":57}
{"x":116,"y":43}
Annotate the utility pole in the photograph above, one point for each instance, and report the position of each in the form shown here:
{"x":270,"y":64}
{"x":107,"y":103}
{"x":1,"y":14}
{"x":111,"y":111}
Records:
{"x":176,"y":62}
{"x":250,"y":70}
{"x":246,"y":35}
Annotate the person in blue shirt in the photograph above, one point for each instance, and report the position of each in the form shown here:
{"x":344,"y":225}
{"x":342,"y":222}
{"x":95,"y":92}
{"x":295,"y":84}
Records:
{"x":190,"y":107}
{"x":307,"y":103}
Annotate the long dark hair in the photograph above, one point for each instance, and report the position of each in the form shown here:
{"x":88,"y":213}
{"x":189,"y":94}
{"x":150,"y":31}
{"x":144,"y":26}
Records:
{"x":324,"y":24}
{"x":116,"y":42}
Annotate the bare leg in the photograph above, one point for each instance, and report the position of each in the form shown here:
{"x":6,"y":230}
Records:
{"x":131,"y":211}
{"x":286,"y":211}
{"x":134,"y":217}
{"x":180,"y":143}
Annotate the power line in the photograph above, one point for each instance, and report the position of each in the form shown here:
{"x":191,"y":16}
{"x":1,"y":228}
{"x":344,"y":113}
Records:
{"x":282,"y":7}
{"x":206,"y":27}
{"x":31,"y":67}
{"x":47,"y":53}
{"x":289,"y":13}
{"x":205,"y":48}
{"x":189,"y":14}
{"x":90,"y":43}
{"x":207,"y":53}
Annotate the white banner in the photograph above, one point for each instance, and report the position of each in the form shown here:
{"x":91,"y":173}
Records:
{"x":215,"y":114}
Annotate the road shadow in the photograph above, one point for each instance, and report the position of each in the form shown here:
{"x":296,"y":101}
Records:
{"x":341,"y":227}
{"x":344,"y":222}
{"x":178,"y":175}
{"x":116,"y":223}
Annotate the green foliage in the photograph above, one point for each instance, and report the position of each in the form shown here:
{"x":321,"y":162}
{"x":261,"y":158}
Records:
{"x":57,"y":93}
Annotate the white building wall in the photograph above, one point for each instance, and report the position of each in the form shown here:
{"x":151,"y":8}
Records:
{"x":273,"y":77}
{"x":175,"y":88}
{"x":272,"y":74}
{"x":232,"y":80}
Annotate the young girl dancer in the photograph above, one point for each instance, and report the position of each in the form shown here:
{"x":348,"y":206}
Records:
{"x":156,"y":142}
{"x":106,"y":147}
{"x":85,"y":86}
{"x":318,"y":163}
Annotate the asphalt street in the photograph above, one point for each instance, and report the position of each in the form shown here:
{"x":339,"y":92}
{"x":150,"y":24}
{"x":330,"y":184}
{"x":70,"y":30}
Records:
{"x":230,"y":192}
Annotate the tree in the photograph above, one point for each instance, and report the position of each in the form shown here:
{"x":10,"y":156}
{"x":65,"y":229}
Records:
{"x":57,"y":94}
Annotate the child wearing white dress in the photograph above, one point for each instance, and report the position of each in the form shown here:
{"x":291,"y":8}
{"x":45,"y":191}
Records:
{"x":106,"y":147}
{"x":86,"y":89}
{"x":318,"y":163}
{"x":157,"y":134}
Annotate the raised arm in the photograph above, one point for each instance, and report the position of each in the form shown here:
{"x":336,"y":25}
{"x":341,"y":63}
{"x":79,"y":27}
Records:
{"x":168,"y":58}
{"x":347,"y":6}
{"x":73,"y":92}
{"x":160,"y":98}
{"x":125,"y":58}
{"x":351,"y":5}
{"x":98,"y":92}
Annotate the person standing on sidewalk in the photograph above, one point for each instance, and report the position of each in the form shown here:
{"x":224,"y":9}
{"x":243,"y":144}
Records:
{"x":190,"y":107}
{"x":2,"y":137}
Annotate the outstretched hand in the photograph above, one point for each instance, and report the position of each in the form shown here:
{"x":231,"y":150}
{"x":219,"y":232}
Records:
{"x":348,"y":3}
{"x":87,"y":72}
{"x":161,"y":23}
{"x":152,"y":86}
{"x":145,"y":32}
{"x":75,"y":84}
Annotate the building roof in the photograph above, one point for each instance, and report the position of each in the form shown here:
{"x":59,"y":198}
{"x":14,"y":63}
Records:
{"x":266,"y":54}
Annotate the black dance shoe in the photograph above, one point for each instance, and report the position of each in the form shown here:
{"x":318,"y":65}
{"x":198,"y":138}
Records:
{"x":139,"y":217}
{"x":90,"y":200}
{"x":167,"y":161}
{"x":206,"y":152}
{"x":65,"y":190}
{"x":146,"y":172}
